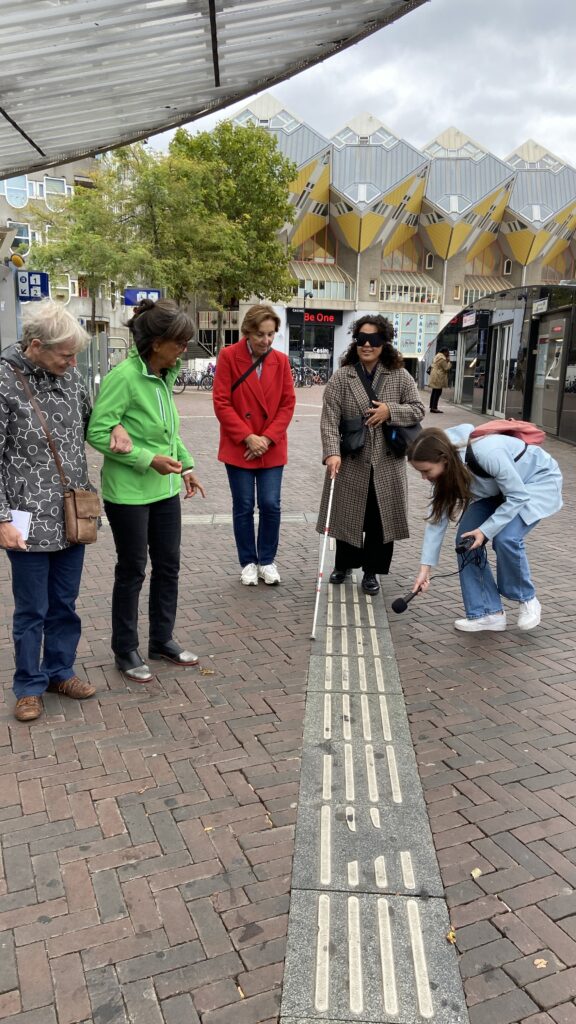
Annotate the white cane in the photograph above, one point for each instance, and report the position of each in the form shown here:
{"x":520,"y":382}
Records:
{"x":322,"y":557}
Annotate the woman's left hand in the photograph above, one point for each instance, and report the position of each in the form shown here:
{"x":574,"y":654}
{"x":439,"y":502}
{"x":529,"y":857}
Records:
{"x":379,"y":414}
{"x":192,"y":485}
{"x":120,"y":440}
{"x":479,"y":538}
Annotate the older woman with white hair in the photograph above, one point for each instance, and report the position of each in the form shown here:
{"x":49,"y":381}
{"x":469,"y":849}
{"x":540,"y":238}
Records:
{"x":46,"y":569}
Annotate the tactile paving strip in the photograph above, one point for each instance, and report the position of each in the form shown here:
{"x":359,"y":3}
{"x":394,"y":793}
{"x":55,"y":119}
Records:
{"x":368,"y":958}
{"x":368,"y":922}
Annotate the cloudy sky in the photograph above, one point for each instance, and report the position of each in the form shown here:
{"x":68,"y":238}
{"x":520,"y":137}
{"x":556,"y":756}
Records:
{"x":502,"y":71}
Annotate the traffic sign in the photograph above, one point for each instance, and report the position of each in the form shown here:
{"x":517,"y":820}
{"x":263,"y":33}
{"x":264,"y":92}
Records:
{"x":33,"y":285}
{"x":132,"y":296}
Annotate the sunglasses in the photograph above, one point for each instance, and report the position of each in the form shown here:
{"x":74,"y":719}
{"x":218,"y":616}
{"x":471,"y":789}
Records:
{"x":373,"y":339}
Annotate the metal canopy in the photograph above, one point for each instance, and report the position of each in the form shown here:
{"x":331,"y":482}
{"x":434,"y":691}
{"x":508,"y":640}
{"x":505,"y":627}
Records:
{"x":78,"y":77}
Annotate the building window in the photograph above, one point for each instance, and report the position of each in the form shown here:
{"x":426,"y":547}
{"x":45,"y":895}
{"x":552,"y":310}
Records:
{"x":507,"y":268}
{"x":21,"y":242}
{"x":429,"y":261}
{"x":61,"y":290}
{"x":321,"y":248}
{"x":16,"y":190}
{"x":54,"y":191}
{"x":408,"y":292}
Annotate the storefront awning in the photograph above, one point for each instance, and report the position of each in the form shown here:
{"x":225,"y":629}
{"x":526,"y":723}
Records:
{"x":310,"y":272}
{"x":404,"y":286}
{"x":83,"y":76}
{"x":486,"y":285}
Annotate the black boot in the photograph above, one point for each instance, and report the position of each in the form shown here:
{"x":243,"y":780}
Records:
{"x":339,"y":575}
{"x":370,"y":584}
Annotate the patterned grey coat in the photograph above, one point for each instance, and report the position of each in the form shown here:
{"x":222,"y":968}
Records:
{"x":29,"y":479}
{"x":345,"y":397}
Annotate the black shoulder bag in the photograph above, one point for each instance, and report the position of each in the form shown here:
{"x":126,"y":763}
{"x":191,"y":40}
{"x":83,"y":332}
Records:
{"x":398,"y":439}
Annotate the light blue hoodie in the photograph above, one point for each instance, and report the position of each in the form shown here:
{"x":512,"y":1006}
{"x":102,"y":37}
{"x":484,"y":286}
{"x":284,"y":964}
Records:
{"x":531,"y":487}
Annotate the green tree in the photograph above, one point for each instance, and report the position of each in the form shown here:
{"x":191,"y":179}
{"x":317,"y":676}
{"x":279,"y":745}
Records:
{"x":245,"y":193}
{"x":85,"y":234}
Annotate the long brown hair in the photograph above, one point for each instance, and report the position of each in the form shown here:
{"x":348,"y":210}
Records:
{"x":451,"y":492}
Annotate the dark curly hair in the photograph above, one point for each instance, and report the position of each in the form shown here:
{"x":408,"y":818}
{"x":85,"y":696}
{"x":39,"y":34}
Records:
{"x":389,"y":357}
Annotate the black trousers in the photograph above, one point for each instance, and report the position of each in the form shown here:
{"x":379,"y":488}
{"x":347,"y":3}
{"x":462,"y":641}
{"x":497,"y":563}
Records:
{"x":375,"y":555}
{"x":138,"y":529}
{"x":434,"y":397}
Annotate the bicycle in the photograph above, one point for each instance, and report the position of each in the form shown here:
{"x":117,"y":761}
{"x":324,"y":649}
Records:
{"x":184,"y":379}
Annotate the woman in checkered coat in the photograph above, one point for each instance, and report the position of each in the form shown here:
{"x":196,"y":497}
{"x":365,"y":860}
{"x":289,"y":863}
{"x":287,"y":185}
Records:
{"x":369,"y":509}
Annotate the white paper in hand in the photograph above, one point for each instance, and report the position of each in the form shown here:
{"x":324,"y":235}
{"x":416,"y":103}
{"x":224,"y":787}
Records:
{"x":21,"y":520}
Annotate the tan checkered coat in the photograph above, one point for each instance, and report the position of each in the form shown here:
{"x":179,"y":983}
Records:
{"x":345,"y":397}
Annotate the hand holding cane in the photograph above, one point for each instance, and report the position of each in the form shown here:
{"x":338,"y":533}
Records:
{"x":322,"y":557}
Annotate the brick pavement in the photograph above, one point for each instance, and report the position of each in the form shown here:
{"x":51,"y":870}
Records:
{"x":147,"y":834}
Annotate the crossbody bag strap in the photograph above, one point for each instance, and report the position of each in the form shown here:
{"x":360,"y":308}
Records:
{"x":474,"y":466}
{"x":18,"y":373}
{"x":366,"y":384}
{"x":250,"y":370}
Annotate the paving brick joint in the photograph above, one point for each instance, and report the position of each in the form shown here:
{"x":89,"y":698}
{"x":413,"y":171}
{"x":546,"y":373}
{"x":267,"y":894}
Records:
{"x":147,"y":835}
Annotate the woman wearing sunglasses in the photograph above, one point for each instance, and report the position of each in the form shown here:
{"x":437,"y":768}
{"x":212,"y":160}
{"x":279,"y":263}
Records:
{"x":369,"y":508}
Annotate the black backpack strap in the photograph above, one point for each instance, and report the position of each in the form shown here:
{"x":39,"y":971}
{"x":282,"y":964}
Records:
{"x":250,"y":370}
{"x":475,"y":467}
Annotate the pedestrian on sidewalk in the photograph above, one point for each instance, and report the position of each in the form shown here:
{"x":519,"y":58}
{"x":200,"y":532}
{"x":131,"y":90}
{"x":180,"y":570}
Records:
{"x":441,"y":367}
{"x":254,"y":401}
{"x":141,"y":487}
{"x":46,"y":568}
{"x":370,"y":504}
{"x":522,"y":485}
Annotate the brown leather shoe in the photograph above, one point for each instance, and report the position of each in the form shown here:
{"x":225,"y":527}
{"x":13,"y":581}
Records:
{"x":28,"y":708}
{"x":76,"y":688}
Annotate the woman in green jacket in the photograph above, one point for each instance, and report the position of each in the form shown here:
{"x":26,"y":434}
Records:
{"x":141,"y":488}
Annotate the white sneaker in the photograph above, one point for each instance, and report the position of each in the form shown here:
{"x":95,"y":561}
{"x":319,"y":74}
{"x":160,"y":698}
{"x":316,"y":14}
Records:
{"x":494,"y":623}
{"x":530,"y":614}
{"x":269,"y":573}
{"x":249,"y":575}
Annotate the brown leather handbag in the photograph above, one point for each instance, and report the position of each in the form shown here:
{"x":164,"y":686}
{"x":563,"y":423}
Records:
{"x":81,"y":508}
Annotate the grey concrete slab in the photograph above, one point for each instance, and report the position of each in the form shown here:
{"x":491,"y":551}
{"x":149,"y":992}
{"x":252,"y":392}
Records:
{"x":362,"y":823}
{"x":353,"y":623}
{"x":367,"y":675}
{"x":364,"y":849}
{"x":371,"y":958}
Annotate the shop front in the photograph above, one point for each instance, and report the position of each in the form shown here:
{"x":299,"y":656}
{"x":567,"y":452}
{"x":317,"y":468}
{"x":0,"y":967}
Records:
{"x":311,"y":337}
{"x":516,"y":357}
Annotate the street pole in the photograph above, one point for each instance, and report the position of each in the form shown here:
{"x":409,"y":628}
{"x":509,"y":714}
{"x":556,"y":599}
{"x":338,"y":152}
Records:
{"x":307,"y":295}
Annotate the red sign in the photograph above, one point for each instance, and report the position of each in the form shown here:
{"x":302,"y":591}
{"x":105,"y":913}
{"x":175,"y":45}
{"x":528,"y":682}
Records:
{"x":319,"y":318}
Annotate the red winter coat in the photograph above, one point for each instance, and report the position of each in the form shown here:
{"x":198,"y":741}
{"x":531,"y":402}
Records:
{"x":260,"y":405}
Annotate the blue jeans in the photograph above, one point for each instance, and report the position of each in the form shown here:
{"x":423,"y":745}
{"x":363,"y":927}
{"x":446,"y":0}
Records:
{"x":480,"y":593}
{"x":267,"y":484}
{"x":45,"y":586}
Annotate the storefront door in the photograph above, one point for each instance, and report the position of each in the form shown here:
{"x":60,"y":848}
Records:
{"x":318,"y":349}
{"x":466,"y":361}
{"x":499,"y":370}
{"x":546,"y":393}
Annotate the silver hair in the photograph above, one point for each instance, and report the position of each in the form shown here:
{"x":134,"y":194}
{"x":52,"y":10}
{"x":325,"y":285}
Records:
{"x":51,"y":324}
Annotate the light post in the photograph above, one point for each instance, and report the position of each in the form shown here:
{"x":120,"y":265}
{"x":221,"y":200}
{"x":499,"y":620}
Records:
{"x":307,"y":295}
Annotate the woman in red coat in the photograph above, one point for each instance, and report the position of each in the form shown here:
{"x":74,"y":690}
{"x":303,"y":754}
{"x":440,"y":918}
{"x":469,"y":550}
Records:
{"x":254,"y":401}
